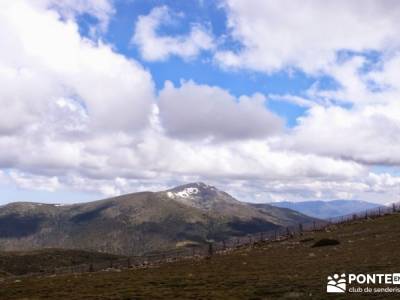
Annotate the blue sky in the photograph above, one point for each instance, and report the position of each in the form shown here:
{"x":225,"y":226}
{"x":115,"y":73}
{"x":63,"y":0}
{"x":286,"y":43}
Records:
{"x":251,"y":97}
{"x":199,"y":69}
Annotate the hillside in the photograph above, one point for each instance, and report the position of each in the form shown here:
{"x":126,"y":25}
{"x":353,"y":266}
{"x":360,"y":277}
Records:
{"x":46,"y":260}
{"x":138,"y":223}
{"x":290,"y":269}
{"x":327,"y":209}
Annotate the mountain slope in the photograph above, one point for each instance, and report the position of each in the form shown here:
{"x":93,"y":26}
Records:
{"x":327,"y":209}
{"x":46,"y":260}
{"x":138,"y":223}
{"x":290,"y":269}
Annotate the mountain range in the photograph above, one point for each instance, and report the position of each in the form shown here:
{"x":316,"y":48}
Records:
{"x":139,"y":223}
{"x":327,"y":209}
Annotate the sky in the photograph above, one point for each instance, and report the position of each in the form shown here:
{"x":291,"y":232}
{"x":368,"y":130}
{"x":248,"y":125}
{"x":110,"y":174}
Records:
{"x":267,"y":100}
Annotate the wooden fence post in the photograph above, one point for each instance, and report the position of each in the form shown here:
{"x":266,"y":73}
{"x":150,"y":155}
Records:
{"x":210,"y":249}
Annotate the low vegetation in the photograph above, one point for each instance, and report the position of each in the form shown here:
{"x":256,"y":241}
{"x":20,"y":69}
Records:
{"x":326,"y":242}
{"x":287,"y":269}
{"x":47,"y":260}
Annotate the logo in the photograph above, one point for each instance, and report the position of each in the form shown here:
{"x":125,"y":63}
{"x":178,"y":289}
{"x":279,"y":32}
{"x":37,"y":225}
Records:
{"x":336,"y":284}
{"x":358,"y":283}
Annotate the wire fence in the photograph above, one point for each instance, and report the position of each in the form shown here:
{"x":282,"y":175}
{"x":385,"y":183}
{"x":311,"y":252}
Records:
{"x":209,"y":249}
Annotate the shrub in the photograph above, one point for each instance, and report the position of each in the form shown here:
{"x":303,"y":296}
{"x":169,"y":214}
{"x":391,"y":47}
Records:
{"x":325,"y":242}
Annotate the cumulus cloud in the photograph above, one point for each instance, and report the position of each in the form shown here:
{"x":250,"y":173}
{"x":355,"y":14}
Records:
{"x":155,"y":47}
{"x":369,"y":135}
{"x":62,"y":93}
{"x":368,"y":130}
{"x":278,"y":35}
{"x":44,"y":59}
{"x":79,"y":116}
{"x":201,"y":111}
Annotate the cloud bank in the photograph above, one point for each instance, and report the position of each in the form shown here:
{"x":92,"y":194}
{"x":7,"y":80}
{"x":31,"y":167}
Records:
{"x":78,"y":115}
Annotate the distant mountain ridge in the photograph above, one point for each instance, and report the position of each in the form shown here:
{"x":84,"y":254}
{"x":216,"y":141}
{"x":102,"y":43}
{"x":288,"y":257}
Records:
{"x":139,"y":223}
{"x":327,"y":209}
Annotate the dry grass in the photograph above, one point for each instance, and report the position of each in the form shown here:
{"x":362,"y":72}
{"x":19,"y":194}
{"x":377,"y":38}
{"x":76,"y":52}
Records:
{"x":290,"y":269}
{"x":46,"y":260}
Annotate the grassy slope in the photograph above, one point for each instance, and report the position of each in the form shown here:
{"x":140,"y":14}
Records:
{"x":288,"y":269}
{"x":20,"y":263}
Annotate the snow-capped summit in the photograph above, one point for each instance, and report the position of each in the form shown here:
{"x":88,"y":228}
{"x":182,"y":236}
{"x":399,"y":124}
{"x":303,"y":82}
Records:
{"x":197,"y":194}
{"x":190,"y":189}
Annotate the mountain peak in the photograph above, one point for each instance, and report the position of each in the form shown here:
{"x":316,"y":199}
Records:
{"x":191,"y":189}
{"x":198,"y":184}
{"x":197,"y":194}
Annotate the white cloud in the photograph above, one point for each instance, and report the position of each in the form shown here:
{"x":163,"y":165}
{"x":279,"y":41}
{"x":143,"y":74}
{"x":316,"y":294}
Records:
{"x":381,"y":188}
{"x":43,"y":60}
{"x":201,"y":111}
{"x":155,"y":47}
{"x":79,"y":116}
{"x":278,"y":35}
{"x":115,"y":168}
{"x":60,"y":92}
{"x":368,"y":129}
{"x":294,"y":99}
{"x":387,"y":76}
{"x":27,"y":181}
{"x":369,"y":135}
{"x":102,"y":10}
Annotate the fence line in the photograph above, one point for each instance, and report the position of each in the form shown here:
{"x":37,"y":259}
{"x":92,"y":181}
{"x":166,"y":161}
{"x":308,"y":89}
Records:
{"x":277,"y":234}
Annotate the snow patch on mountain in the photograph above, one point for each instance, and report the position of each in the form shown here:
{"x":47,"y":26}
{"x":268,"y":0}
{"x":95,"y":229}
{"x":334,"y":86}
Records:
{"x":185,"y":193}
